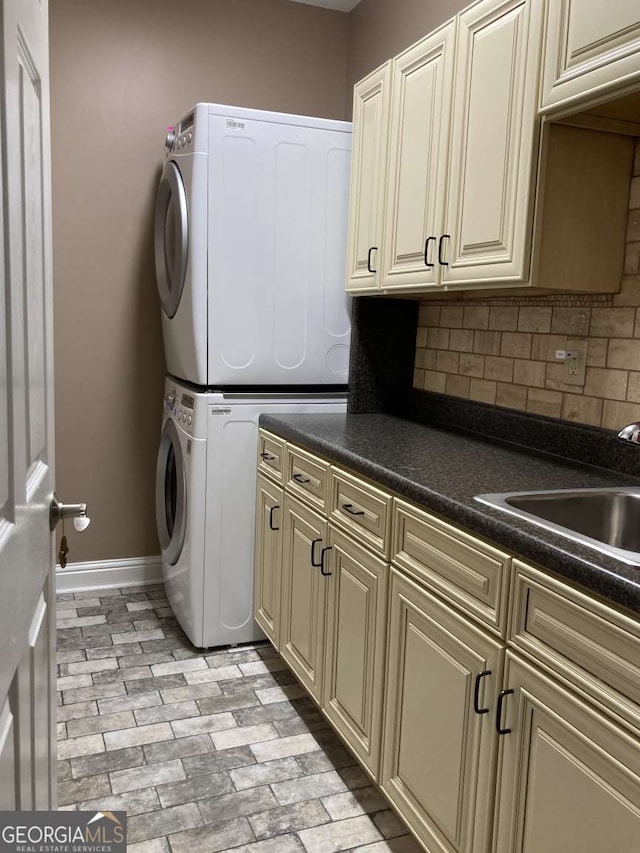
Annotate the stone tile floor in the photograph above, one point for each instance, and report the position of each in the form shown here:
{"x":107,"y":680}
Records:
{"x":206,"y":751}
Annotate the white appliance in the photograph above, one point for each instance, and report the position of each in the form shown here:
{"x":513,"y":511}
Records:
{"x":205,"y":505}
{"x":250,"y":247}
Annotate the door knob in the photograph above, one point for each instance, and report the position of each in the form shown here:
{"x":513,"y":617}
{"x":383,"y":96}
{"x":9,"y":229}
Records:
{"x":59,"y":511}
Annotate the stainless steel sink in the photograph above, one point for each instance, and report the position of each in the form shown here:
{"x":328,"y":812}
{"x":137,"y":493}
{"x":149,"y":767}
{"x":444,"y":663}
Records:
{"x":607,"y":520}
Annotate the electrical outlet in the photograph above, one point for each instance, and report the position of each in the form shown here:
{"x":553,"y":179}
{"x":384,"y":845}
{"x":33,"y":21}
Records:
{"x":575,"y":364}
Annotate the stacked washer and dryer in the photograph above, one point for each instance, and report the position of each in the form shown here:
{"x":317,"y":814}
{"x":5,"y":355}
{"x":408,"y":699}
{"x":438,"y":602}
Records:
{"x":250,"y":248}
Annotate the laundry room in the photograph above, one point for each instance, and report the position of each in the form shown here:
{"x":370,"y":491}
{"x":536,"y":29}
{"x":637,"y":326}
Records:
{"x":328,"y":312}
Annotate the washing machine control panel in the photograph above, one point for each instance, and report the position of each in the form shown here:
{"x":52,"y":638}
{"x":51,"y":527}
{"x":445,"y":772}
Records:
{"x":181,"y":407}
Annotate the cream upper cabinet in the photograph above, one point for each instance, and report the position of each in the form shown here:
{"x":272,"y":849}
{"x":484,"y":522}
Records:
{"x":463,"y":155}
{"x":268,"y":558}
{"x":418,"y":151}
{"x":569,"y":780}
{"x":591,"y":47}
{"x":439,"y":742}
{"x":494,"y":144}
{"x":368,"y":179}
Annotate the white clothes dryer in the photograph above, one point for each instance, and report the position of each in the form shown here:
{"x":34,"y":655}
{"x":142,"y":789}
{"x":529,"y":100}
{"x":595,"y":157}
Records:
{"x":205,"y":505}
{"x":250,"y":249}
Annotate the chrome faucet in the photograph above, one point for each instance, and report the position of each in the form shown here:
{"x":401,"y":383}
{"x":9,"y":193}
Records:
{"x":630,"y":433}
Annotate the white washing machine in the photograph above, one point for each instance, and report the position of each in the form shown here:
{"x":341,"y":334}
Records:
{"x":205,"y":505}
{"x":250,"y":248}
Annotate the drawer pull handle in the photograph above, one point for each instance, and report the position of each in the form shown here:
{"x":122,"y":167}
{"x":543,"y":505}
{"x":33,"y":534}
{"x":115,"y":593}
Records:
{"x":501,"y":697}
{"x":441,"y":260}
{"x":476,"y":692}
{"x":268,"y":457}
{"x":371,"y":251}
{"x":322,"y":569}
{"x":315,"y":562}
{"x":351,"y":509}
{"x":300,"y":478}
{"x":427,"y":263}
{"x":272,"y":509}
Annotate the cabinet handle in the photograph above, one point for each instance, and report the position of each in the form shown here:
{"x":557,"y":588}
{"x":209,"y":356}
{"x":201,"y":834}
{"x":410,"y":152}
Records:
{"x":428,"y":265}
{"x":271,"y":511}
{"x":440,"y":260}
{"x":322,"y":553}
{"x":371,"y":251}
{"x":268,"y":457}
{"x":499,"y":728}
{"x":300,"y":478}
{"x":351,"y":509}
{"x":476,"y":692}
{"x":314,"y":562}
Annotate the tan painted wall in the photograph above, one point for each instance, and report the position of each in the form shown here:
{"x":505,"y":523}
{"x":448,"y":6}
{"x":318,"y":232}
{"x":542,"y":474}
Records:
{"x":379,"y":29}
{"x":121,"y":70}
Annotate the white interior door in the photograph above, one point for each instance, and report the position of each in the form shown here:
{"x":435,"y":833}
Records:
{"x":27,"y":585}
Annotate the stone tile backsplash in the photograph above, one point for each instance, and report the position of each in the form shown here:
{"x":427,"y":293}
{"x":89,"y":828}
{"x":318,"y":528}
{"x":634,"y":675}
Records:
{"x":502,"y":349}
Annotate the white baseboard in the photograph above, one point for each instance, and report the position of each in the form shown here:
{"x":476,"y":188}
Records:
{"x":106,"y":574}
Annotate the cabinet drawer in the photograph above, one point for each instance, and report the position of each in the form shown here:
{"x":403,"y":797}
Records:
{"x":463,"y":569}
{"x":307,"y":476}
{"x":592,"y":646}
{"x":271,"y":455}
{"x":361,"y":509}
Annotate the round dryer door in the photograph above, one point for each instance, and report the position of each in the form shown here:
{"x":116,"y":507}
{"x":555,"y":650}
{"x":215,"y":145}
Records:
{"x":171,"y":238}
{"x":171,"y":494}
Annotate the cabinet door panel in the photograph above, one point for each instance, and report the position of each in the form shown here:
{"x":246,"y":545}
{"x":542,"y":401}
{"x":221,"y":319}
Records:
{"x":303,"y":595}
{"x":590,"y":47}
{"x":368,"y":178}
{"x":418,"y":151}
{"x":268,"y":558}
{"x":569,"y":779}
{"x":354,"y":666}
{"x":8,"y":797}
{"x":494,"y":143}
{"x":438,"y":761}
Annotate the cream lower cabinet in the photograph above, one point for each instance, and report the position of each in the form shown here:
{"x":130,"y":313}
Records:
{"x":538,"y":755}
{"x":304,"y":591}
{"x":355,"y":646}
{"x":569,"y":779}
{"x":268,"y":558}
{"x":439,"y":743}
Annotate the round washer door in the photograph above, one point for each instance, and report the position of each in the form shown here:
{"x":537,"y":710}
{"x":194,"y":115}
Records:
{"x":171,"y":494}
{"x":171,"y":238}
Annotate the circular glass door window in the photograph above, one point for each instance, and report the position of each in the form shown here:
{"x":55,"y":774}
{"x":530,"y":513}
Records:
{"x":171,"y":494}
{"x":171,"y":238}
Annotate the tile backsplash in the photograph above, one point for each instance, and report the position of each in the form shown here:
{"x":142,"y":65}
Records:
{"x":502,"y":349}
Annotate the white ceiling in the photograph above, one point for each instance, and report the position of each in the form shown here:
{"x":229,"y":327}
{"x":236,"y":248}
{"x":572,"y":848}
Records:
{"x":339,"y":5}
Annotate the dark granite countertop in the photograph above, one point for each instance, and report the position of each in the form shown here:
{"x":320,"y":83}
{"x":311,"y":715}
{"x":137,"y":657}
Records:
{"x":442,"y":470}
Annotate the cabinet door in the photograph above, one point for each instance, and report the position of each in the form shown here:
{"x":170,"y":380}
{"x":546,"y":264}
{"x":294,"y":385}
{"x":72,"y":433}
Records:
{"x":268,"y":558}
{"x":494,"y":144}
{"x":439,"y":754}
{"x":569,"y":779}
{"x":591,"y":47}
{"x":418,"y":153}
{"x":368,"y":179}
{"x":355,"y":646}
{"x":303,"y":594}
